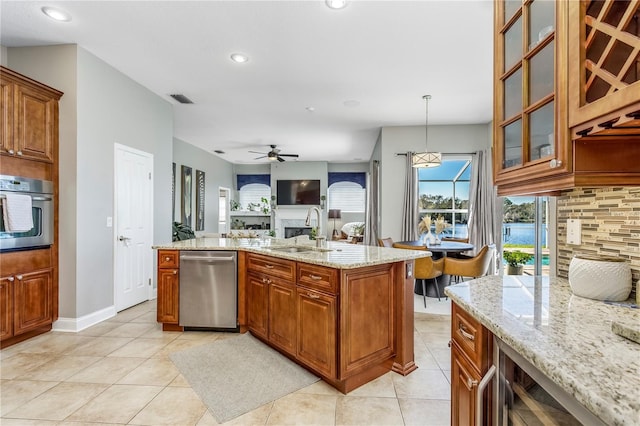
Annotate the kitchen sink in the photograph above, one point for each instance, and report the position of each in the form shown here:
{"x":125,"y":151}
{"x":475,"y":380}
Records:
{"x":298,"y":249}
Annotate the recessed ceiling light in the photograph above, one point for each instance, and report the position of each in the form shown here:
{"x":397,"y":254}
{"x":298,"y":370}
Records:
{"x":56,"y":14}
{"x":239,"y":58}
{"x":310,"y":109}
{"x":336,"y":4}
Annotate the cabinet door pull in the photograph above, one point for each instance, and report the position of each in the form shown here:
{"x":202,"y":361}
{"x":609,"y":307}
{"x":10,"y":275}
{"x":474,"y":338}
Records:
{"x":11,"y":151}
{"x":175,"y":272}
{"x":10,"y":279}
{"x":19,"y":152}
{"x":471,"y":383}
{"x":265,"y":281}
{"x":465,"y":334}
{"x":19,"y":277}
{"x":483,"y":384}
{"x":269,"y":266}
{"x":166,"y":259}
{"x":313,"y":296}
{"x":315,"y":277}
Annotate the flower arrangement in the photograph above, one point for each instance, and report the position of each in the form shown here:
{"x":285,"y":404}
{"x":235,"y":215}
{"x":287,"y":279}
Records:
{"x":441,"y":225}
{"x":424,"y":225}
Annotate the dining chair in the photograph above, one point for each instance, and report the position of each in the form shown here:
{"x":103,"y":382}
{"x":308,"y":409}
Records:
{"x":425,"y":268}
{"x":385,"y":242}
{"x":474,"y":267}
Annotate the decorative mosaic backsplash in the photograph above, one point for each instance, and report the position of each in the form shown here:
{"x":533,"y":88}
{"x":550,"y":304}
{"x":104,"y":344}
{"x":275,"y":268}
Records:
{"x":610,"y":225}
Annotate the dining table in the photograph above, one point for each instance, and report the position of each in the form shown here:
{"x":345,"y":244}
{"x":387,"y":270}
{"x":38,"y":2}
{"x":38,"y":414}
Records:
{"x":438,"y":251}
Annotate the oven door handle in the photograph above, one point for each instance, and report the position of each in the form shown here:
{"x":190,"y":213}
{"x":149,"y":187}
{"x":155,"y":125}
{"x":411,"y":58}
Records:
{"x":480,"y":390}
{"x":36,"y":198}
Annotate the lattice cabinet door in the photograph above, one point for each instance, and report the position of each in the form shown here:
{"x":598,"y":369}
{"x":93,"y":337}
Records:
{"x":604,"y":67}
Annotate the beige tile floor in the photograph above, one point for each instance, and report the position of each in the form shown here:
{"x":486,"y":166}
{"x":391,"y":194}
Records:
{"x":119,"y":372}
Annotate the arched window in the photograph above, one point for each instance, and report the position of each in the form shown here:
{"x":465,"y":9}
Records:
{"x":252,"y":193}
{"x":347,"y":196}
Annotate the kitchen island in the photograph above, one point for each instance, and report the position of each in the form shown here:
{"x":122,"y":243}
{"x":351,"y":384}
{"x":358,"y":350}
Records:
{"x":567,"y":338}
{"x":343,"y":311}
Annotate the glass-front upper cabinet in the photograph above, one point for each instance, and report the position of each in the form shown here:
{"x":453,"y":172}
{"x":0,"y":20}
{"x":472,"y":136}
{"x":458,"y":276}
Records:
{"x":525,"y":114}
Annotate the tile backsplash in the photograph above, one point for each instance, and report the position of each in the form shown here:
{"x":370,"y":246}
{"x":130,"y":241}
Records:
{"x":610,"y":225}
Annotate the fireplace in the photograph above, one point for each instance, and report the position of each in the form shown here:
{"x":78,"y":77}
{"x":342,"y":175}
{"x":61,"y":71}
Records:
{"x":294,"y":231}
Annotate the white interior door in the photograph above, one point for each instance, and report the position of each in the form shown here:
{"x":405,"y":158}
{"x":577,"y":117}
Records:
{"x":133,"y":226}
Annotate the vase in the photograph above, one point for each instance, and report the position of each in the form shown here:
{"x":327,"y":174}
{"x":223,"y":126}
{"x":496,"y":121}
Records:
{"x":600,"y":278}
{"x":515,"y":270}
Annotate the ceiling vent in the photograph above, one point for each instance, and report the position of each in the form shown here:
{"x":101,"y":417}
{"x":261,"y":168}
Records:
{"x":181,"y":98}
{"x":219,"y":151}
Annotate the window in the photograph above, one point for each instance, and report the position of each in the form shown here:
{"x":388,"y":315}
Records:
{"x":347,"y":192}
{"x":346,"y":196}
{"x":525,"y":227}
{"x":253,"y":193}
{"x":444,"y":191}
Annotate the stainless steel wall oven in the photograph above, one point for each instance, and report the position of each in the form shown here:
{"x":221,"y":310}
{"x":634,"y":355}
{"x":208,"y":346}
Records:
{"x":42,"y":210}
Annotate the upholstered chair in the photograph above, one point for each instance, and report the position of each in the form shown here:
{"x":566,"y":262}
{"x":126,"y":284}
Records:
{"x":425,"y":269}
{"x":474,"y":267}
{"x":385,"y":242}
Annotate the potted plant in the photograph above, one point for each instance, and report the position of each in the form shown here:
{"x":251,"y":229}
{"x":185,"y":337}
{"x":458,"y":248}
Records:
{"x":515,"y":261}
{"x":266,"y":207}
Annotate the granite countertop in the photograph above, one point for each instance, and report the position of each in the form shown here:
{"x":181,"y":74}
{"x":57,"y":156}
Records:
{"x":567,"y":337}
{"x":336,"y":254}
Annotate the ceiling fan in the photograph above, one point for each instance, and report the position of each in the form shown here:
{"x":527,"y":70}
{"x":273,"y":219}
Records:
{"x":274,"y":154}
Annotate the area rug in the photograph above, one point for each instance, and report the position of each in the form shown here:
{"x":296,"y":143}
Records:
{"x":236,"y":375}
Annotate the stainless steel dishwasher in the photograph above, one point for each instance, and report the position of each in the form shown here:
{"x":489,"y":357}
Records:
{"x":209,"y":289}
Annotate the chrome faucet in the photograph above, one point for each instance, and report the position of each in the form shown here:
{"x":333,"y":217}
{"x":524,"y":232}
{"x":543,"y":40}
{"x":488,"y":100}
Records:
{"x":320,"y":237}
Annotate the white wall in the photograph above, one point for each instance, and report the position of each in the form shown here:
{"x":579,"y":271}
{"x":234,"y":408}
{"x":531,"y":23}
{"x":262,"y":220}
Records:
{"x":101,"y":106}
{"x":217,"y":173}
{"x":60,"y":73}
{"x":461,"y":139}
{"x":3,"y":56}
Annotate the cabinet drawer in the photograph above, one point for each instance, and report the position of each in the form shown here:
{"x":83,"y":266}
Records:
{"x":272,"y":266}
{"x":471,"y":337}
{"x":168,"y":259}
{"x":318,"y":277}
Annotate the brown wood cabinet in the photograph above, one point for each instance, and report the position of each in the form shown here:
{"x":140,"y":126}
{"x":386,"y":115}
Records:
{"x":325,"y":318}
{"x":258,"y":304}
{"x":543,"y":89}
{"x":347,"y":325}
{"x":282,"y":315}
{"x":29,"y":118}
{"x":604,"y":67}
{"x":168,"y":289}
{"x":6,"y":307}
{"x":32,"y":300}
{"x":471,"y":352}
{"x":26,"y":303}
{"x":29,"y":148}
{"x":317,"y":320}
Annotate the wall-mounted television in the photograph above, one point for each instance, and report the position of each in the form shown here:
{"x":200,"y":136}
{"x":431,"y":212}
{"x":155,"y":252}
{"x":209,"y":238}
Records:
{"x":301,"y":192}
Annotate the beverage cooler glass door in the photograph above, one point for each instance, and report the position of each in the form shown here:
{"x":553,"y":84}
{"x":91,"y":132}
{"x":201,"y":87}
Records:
{"x":525,"y":396}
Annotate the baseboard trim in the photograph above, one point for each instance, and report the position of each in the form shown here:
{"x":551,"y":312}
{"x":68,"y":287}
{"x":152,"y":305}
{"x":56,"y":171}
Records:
{"x":73,"y":325}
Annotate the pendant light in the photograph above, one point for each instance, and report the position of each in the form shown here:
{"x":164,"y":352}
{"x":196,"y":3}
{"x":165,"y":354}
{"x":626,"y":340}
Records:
{"x":426,"y":158}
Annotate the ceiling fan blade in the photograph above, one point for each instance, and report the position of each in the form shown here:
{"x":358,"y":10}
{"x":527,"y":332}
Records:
{"x":256,"y":152}
{"x":280,"y":159}
{"x":257,"y":158}
{"x":289,"y":155}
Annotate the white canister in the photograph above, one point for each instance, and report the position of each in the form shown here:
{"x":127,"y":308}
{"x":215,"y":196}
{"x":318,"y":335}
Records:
{"x":600,"y":278}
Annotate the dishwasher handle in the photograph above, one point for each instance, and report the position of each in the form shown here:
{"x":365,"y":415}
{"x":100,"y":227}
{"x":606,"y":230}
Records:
{"x":210,"y":259}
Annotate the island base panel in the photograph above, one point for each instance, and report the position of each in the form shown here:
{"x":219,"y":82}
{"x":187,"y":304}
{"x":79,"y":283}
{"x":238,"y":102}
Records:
{"x":172,"y":327}
{"x":24,"y":336}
